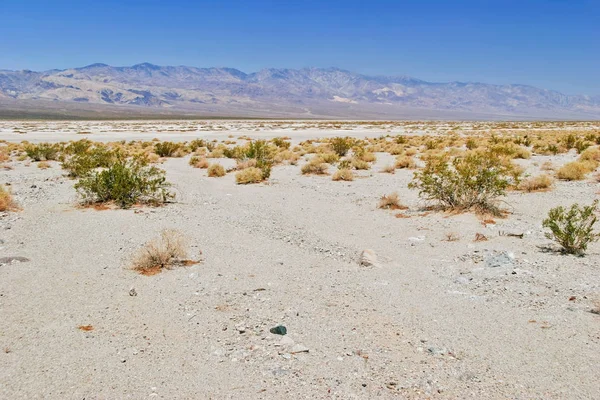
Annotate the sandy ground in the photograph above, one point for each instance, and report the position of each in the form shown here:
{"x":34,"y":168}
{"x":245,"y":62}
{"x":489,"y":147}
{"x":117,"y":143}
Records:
{"x":433,"y":320}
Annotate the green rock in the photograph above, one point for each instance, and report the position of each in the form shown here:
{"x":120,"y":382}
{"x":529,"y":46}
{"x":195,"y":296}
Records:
{"x":279,"y":330}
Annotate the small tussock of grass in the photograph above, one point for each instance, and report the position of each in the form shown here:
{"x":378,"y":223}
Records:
{"x":243,"y":164}
{"x":343,"y":175}
{"x":452,"y":237}
{"x":536,"y":184}
{"x":389,"y":169}
{"x":547,"y":166}
{"x":166,"y":252}
{"x":315,"y":166}
{"x":199,"y":162}
{"x":215,"y":170}
{"x":391,"y":202}
{"x":573,"y":171}
{"x":405,"y":161}
{"x":329,"y":158}
{"x":7,"y":202}
{"x":43,"y":165}
{"x":249,"y":175}
{"x":359,"y":164}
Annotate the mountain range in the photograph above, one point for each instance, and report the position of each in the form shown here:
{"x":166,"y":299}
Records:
{"x":147,"y":89}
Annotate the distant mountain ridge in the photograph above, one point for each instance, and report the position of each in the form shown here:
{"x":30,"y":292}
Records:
{"x":291,"y":92}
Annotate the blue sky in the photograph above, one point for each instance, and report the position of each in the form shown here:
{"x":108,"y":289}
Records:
{"x":553,"y":44}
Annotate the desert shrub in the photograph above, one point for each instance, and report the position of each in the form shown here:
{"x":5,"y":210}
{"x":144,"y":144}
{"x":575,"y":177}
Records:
{"x":167,"y":149}
{"x":390,"y":202}
{"x":330,"y":158}
{"x":215,"y":170}
{"x":42,"y":151}
{"x":6,"y":200}
{"x":343,"y":175}
{"x":281,"y":143}
{"x":125,"y":182}
{"x":572,"y":228}
{"x":359,"y":164}
{"x":43,"y":165}
{"x":471,"y":144}
{"x":262,"y":152}
{"x":536,"y":183}
{"x":341,"y":145}
{"x":82,"y":162}
{"x":78,"y":147}
{"x":405,"y":162}
{"x":591,"y":154}
{"x":361,"y":154}
{"x":573,"y":171}
{"x":473,"y":182}
{"x":163,"y":253}
{"x":249,"y":175}
{"x":286,"y":155}
{"x":199,"y":162}
{"x":197,"y":144}
{"x":315,"y":166}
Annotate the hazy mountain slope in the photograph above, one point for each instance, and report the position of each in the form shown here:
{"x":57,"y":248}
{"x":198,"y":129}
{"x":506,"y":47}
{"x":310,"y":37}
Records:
{"x":295,"y":92}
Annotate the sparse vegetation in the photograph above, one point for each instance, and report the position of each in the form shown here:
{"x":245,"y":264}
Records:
{"x":536,"y":184}
{"x":215,"y":170}
{"x":343,"y":175}
{"x":165,"y":252}
{"x":573,"y":228}
{"x":42,"y":151}
{"x":6,"y":200}
{"x":391,"y":202}
{"x":249,"y":175}
{"x":315,"y":166}
{"x":473,"y":182}
{"x":125,"y":182}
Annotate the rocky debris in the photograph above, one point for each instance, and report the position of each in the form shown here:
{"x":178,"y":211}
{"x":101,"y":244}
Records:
{"x":11,"y":260}
{"x":368,"y":258}
{"x":132,"y":292}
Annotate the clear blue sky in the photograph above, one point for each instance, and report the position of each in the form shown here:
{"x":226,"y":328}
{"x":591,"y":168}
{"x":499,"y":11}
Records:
{"x":553,"y":44}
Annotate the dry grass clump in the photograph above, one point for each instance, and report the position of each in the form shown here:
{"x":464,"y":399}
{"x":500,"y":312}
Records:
{"x":547,"y":166}
{"x":215,"y":171}
{"x":391,"y":202}
{"x":329,"y":158}
{"x":590,"y":154}
{"x":43,"y":165}
{"x":249,"y":175}
{"x":165,"y":252}
{"x":366,"y":156}
{"x":315,"y":166}
{"x":199,"y":162}
{"x":359,"y":164}
{"x":573,"y":171}
{"x":247,"y":163}
{"x":286,"y":155}
{"x":537,"y":183}
{"x":405,"y":161}
{"x":343,"y":175}
{"x":6,"y":200}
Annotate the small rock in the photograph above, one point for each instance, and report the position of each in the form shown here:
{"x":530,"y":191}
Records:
{"x":10,"y":260}
{"x":278,"y":330}
{"x":132,"y":292}
{"x":299,"y":348}
{"x":368,"y":258}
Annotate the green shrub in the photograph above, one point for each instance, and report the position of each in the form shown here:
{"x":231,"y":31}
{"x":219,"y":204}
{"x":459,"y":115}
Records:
{"x":42,"y":151}
{"x":471,"y":182}
{"x":83,"y":162}
{"x":167,"y":149}
{"x":573,"y":229}
{"x":281,"y":143}
{"x":125,"y":182}
{"x":341,"y":145}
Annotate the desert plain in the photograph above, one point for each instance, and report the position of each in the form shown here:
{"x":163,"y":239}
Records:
{"x":449,"y":305}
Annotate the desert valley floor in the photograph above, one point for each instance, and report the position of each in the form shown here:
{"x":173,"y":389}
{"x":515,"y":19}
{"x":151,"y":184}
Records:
{"x":438,"y":315}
